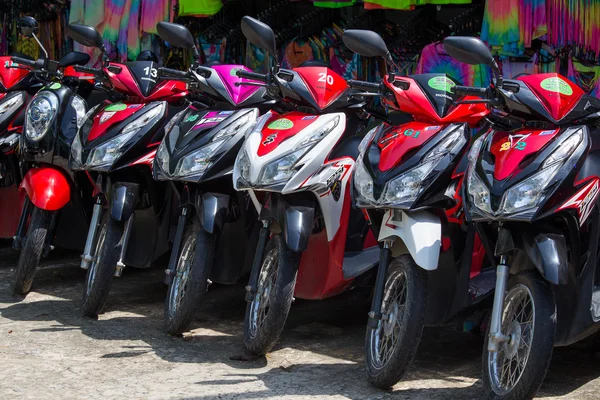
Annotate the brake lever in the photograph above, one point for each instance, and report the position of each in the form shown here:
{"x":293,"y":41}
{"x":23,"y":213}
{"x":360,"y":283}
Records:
{"x":252,"y":84}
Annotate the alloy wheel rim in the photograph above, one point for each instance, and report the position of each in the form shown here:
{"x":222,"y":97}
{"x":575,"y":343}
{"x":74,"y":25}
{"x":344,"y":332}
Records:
{"x":91,"y":278}
{"x":384,"y":339}
{"x":262,"y":299}
{"x":507,"y":365}
{"x":183,"y":272}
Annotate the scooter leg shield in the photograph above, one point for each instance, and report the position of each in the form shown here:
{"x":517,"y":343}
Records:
{"x":298,"y":226}
{"x":420,"y":231}
{"x":213,"y":211}
{"x":124,"y":198}
{"x":47,"y":188}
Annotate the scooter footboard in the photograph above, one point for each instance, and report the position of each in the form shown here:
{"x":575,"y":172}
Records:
{"x":420,"y":231}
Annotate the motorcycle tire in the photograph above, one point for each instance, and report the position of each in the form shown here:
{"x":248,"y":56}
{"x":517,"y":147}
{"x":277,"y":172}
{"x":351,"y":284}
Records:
{"x":275,"y":292}
{"x":541,"y":339}
{"x":404,"y":321}
{"x":30,"y":256}
{"x":100,"y":275}
{"x":190,"y":282}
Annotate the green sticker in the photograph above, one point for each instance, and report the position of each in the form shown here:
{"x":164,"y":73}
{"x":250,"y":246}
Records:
{"x":556,"y":84}
{"x":281,"y":124}
{"x":441,"y":83}
{"x":116,"y":107}
{"x":55,"y":86}
{"x":233,"y":71}
{"x":192,"y":117}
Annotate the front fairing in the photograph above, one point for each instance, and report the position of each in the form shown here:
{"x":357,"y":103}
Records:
{"x":55,"y":144}
{"x":396,"y":150}
{"x":195,"y":129}
{"x":508,"y":159}
{"x":278,"y":135}
{"x":107,"y":123}
{"x":11,"y":121}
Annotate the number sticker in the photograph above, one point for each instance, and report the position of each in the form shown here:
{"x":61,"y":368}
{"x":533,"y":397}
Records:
{"x":505,"y":146}
{"x":323,"y":77}
{"x":152,"y":72}
{"x":412,"y":133}
{"x":520,"y":145}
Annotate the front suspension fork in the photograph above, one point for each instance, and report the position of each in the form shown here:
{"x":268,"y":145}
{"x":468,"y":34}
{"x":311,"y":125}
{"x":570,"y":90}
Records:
{"x":22,"y":226}
{"x":384,"y":261}
{"x":496,"y":337}
{"x":257,"y":263}
{"x":87,"y":257}
{"x":172,"y":267}
{"x":124,"y":241}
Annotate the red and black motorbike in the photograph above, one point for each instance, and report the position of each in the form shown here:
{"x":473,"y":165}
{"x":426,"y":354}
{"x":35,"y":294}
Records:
{"x":116,"y":146}
{"x":408,"y":178}
{"x":531,"y":190}
{"x":296,"y":164}
{"x":54,"y":211}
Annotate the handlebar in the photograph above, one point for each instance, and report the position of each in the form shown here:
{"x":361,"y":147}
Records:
{"x":365,"y":86}
{"x":252,"y":75}
{"x":470,"y":91}
{"x":172,"y":73}
{"x":88,"y":70}
{"x":24,"y":61}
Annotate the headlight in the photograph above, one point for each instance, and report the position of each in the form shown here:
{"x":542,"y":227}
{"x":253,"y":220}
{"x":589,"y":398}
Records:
{"x":527,"y":194}
{"x":171,"y":123}
{"x":281,"y":169}
{"x":194,"y":164}
{"x":148,"y":118}
{"x":404,"y":189}
{"x":106,"y":154}
{"x":235,"y":127}
{"x":79,"y":107}
{"x":366,"y":141}
{"x":363,"y":181}
{"x":40,"y":114}
{"x":162,"y":156}
{"x":243,"y":164}
{"x":321,"y":133}
{"x":480,"y":195}
{"x":13,"y":102}
{"x":451,"y":143}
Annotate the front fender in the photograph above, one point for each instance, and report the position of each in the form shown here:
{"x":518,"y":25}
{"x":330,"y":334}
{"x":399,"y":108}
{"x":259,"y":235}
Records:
{"x":420,"y":231}
{"x":124,"y":198}
{"x":295,"y":220}
{"x":548,"y":252}
{"x":212,"y":211}
{"x":47,"y":188}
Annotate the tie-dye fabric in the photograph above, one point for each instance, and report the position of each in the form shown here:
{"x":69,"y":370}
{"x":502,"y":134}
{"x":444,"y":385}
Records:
{"x":574,"y":23}
{"x":153,"y":12}
{"x":434,"y":59}
{"x":586,"y":77}
{"x":500,"y":27}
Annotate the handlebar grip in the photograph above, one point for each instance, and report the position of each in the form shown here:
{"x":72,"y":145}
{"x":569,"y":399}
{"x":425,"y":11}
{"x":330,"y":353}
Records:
{"x":23,"y":61}
{"x":169,"y":72}
{"x":84,"y":69}
{"x":470,"y":91}
{"x":251,"y":75}
{"x":365,"y":86}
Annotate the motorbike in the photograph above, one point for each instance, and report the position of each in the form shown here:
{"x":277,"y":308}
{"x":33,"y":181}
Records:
{"x":197,"y":156}
{"x":17,"y":85}
{"x":54,"y":211}
{"x":116,"y":145}
{"x":531,"y":190}
{"x":296,"y":164}
{"x":408,"y":178}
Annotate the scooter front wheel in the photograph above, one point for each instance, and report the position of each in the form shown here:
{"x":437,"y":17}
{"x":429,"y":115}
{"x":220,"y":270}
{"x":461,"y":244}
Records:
{"x":391,"y":346}
{"x":31,"y":254}
{"x":518,"y":369}
{"x":100,"y":275}
{"x":190,"y":282}
{"x":267,"y":312}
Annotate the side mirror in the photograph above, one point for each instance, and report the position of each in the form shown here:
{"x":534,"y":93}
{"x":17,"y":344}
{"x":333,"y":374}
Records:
{"x":85,"y":35}
{"x":28,"y":26}
{"x":259,"y":34}
{"x":175,"y":34}
{"x":365,"y":43}
{"x":469,"y":50}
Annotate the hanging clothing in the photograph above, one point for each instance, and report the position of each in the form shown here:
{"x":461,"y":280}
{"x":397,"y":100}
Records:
{"x":334,"y":4}
{"x":193,"y":8}
{"x":346,"y":67}
{"x":434,"y":59}
{"x":500,"y":27}
{"x":587,"y":77}
{"x":390,"y":4}
{"x":153,"y":12}
{"x":296,"y":53}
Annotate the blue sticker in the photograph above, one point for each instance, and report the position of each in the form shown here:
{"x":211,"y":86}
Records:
{"x":432,"y":128}
{"x":543,"y":133}
{"x":309,"y":117}
{"x":134,"y":106}
{"x":226,"y":112}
